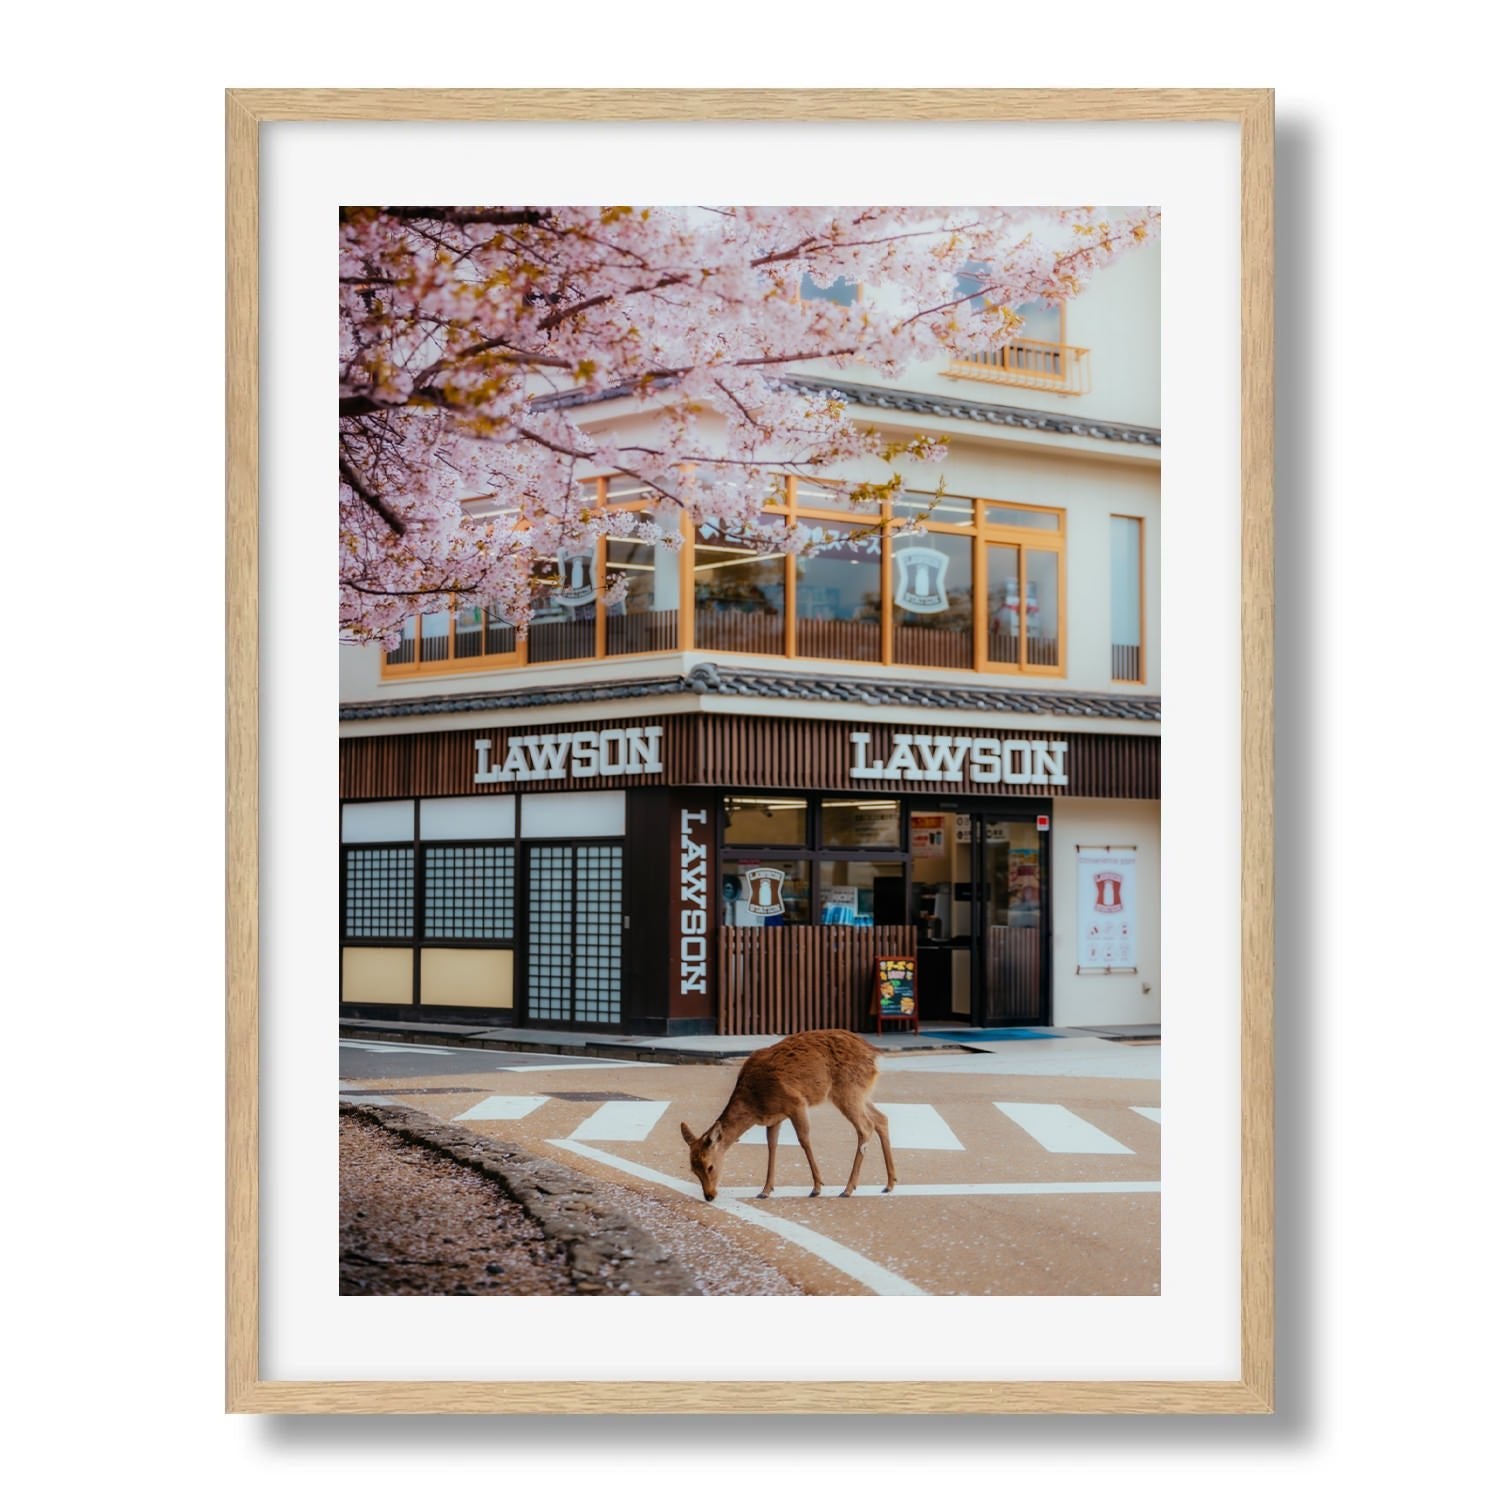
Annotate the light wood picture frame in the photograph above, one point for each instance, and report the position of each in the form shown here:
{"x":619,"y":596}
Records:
{"x":1251,"y":111}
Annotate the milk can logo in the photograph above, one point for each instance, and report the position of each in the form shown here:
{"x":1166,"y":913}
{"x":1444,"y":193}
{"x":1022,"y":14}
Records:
{"x":920,"y":578}
{"x":576,"y":569}
{"x":1107,"y":887}
{"x":763,"y":891}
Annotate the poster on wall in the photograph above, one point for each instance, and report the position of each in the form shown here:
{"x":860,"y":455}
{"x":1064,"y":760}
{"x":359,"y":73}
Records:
{"x":1106,"y":907}
{"x":926,"y":835}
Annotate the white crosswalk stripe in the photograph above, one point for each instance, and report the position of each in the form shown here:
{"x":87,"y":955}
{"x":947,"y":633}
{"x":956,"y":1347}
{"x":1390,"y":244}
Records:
{"x":504,"y":1107}
{"x":1056,"y":1128}
{"x":914,"y":1127}
{"x":919,"y":1127}
{"x":1149,"y":1111}
{"x":621,"y":1120}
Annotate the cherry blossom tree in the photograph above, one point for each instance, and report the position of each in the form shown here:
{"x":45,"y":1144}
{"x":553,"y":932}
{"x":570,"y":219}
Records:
{"x":476,"y":344}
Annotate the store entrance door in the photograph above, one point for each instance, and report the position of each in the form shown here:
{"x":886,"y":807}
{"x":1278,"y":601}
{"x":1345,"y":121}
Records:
{"x":980,"y":902}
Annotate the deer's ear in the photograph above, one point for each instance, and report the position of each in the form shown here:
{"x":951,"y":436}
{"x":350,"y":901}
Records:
{"x":687,"y":1134}
{"x":715,"y":1131}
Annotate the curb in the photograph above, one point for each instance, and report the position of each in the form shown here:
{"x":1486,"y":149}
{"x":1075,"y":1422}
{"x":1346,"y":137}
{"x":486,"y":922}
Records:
{"x":608,"y":1254}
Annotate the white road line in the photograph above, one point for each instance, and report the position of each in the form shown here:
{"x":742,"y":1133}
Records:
{"x":914,"y":1127}
{"x":965,"y":1189}
{"x":1150,"y":1111}
{"x":561,"y":1067}
{"x":621,"y":1120}
{"x":1056,"y":1128}
{"x":504,"y":1107}
{"x":396,"y":1047}
{"x":841,"y":1257}
{"x":918,"y":1127}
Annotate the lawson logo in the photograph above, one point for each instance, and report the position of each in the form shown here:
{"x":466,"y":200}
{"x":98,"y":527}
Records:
{"x":585,"y":753}
{"x":943,"y":757}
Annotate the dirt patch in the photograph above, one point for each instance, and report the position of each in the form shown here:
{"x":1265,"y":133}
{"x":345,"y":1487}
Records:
{"x":413,"y":1222}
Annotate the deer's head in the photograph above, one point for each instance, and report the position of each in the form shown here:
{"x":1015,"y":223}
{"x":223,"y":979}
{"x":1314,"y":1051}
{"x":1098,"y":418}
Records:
{"x":705,"y":1152}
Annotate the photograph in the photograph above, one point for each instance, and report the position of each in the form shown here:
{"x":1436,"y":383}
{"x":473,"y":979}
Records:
{"x":750,"y":750}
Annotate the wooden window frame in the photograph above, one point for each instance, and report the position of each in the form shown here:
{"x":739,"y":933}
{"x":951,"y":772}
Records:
{"x":1140,"y":600}
{"x":980,"y":532}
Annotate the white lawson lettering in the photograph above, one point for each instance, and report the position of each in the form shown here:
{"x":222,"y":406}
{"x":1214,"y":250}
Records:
{"x":693,"y":950}
{"x":583,"y":754}
{"x":941,"y":757}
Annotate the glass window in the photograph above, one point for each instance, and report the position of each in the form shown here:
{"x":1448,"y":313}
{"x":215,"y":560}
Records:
{"x":407,"y":650}
{"x":739,"y":595}
{"x":1042,"y":323}
{"x":435,"y":636}
{"x":1125,"y":598}
{"x":470,"y":891}
{"x":378,"y":892}
{"x":562,"y":619}
{"x":1014,"y":515}
{"x":838,"y":598}
{"x":1042,"y":649}
{"x":861,"y":823}
{"x":1003,"y":574}
{"x":763,"y":822}
{"x":933,"y":582}
{"x":764,"y":892}
{"x":646,"y":618}
{"x":622,"y":489}
{"x":815,"y":497}
{"x":941,"y":510}
{"x":861,"y":893}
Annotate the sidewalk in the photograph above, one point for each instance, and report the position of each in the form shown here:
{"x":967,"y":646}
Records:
{"x":944,"y":1036}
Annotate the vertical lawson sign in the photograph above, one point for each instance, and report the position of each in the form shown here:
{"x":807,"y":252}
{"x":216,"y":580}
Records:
{"x":1106,"y":906}
{"x":692,"y":852}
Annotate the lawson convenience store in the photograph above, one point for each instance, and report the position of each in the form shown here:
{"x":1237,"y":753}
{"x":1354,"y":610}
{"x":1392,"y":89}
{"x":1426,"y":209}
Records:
{"x":735,"y":866}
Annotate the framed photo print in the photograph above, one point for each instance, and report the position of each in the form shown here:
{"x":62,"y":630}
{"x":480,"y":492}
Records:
{"x":750,"y":566}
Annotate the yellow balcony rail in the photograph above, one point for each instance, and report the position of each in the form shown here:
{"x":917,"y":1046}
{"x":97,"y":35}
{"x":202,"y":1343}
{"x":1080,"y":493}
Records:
{"x":1063,"y":368}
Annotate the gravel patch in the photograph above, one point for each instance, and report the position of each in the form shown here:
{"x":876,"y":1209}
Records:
{"x":429,"y":1209}
{"x":413,"y":1222}
{"x":432,"y":1198}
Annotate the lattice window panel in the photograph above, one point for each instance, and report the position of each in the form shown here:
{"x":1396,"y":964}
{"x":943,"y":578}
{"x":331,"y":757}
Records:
{"x":379,"y":892}
{"x":470,"y":891}
{"x":573,"y":952}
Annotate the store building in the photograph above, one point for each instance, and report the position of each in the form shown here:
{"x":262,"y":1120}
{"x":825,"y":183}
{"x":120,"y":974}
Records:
{"x":709,"y":807}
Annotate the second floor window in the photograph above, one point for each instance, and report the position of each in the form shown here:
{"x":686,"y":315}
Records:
{"x":982,"y":587}
{"x":1126,"y":628}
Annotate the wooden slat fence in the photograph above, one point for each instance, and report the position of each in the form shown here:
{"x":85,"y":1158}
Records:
{"x":839,"y":640}
{"x":786,"y":979}
{"x":1015,"y":973}
{"x":729,"y":631}
{"x":924,"y":646}
{"x":650,"y":630}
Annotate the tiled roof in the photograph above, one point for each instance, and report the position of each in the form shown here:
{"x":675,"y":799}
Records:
{"x":993,"y":412}
{"x":754,"y":682}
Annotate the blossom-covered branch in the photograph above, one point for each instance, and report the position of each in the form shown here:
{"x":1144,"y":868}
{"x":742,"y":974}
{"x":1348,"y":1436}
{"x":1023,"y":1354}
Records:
{"x":472,"y":340}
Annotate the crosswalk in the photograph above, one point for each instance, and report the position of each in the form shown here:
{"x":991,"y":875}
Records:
{"x":1057,"y":1129}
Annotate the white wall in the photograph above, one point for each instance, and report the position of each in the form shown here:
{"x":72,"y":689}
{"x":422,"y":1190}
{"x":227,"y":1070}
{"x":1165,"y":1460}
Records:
{"x":1105,"y":999}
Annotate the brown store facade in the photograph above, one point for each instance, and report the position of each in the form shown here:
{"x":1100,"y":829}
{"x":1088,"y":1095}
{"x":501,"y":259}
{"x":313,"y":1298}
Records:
{"x":736,"y":873}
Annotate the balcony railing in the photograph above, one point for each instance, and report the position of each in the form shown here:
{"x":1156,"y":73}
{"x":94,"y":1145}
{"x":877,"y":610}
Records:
{"x":1028,"y":362}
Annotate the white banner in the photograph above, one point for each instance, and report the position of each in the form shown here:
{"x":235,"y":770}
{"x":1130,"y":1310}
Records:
{"x":1106,"y":906}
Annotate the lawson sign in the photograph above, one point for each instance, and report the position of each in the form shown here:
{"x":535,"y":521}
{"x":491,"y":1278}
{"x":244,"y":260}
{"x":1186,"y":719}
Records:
{"x":949,"y":757}
{"x":583,"y":754}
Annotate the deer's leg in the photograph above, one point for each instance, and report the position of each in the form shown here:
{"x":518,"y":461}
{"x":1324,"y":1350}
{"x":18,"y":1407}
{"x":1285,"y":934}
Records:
{"x":773,"y":1130}
{"x":854,"y":1113}
{"x":883,"y":1130}
{"x":799,"y":1124}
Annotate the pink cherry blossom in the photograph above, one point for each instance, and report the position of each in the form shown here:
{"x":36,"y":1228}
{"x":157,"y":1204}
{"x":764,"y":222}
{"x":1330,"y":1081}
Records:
{"x":475,"y":344}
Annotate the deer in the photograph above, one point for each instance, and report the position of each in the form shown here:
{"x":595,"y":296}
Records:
{"x":784,"y":1081}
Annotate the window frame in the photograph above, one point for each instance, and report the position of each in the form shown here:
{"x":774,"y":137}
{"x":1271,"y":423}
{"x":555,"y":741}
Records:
{"x":790,"y":506}
{"x":1140,"y":599}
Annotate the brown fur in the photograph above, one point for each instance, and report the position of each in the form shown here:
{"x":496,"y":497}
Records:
{"x":783,"y":1082}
